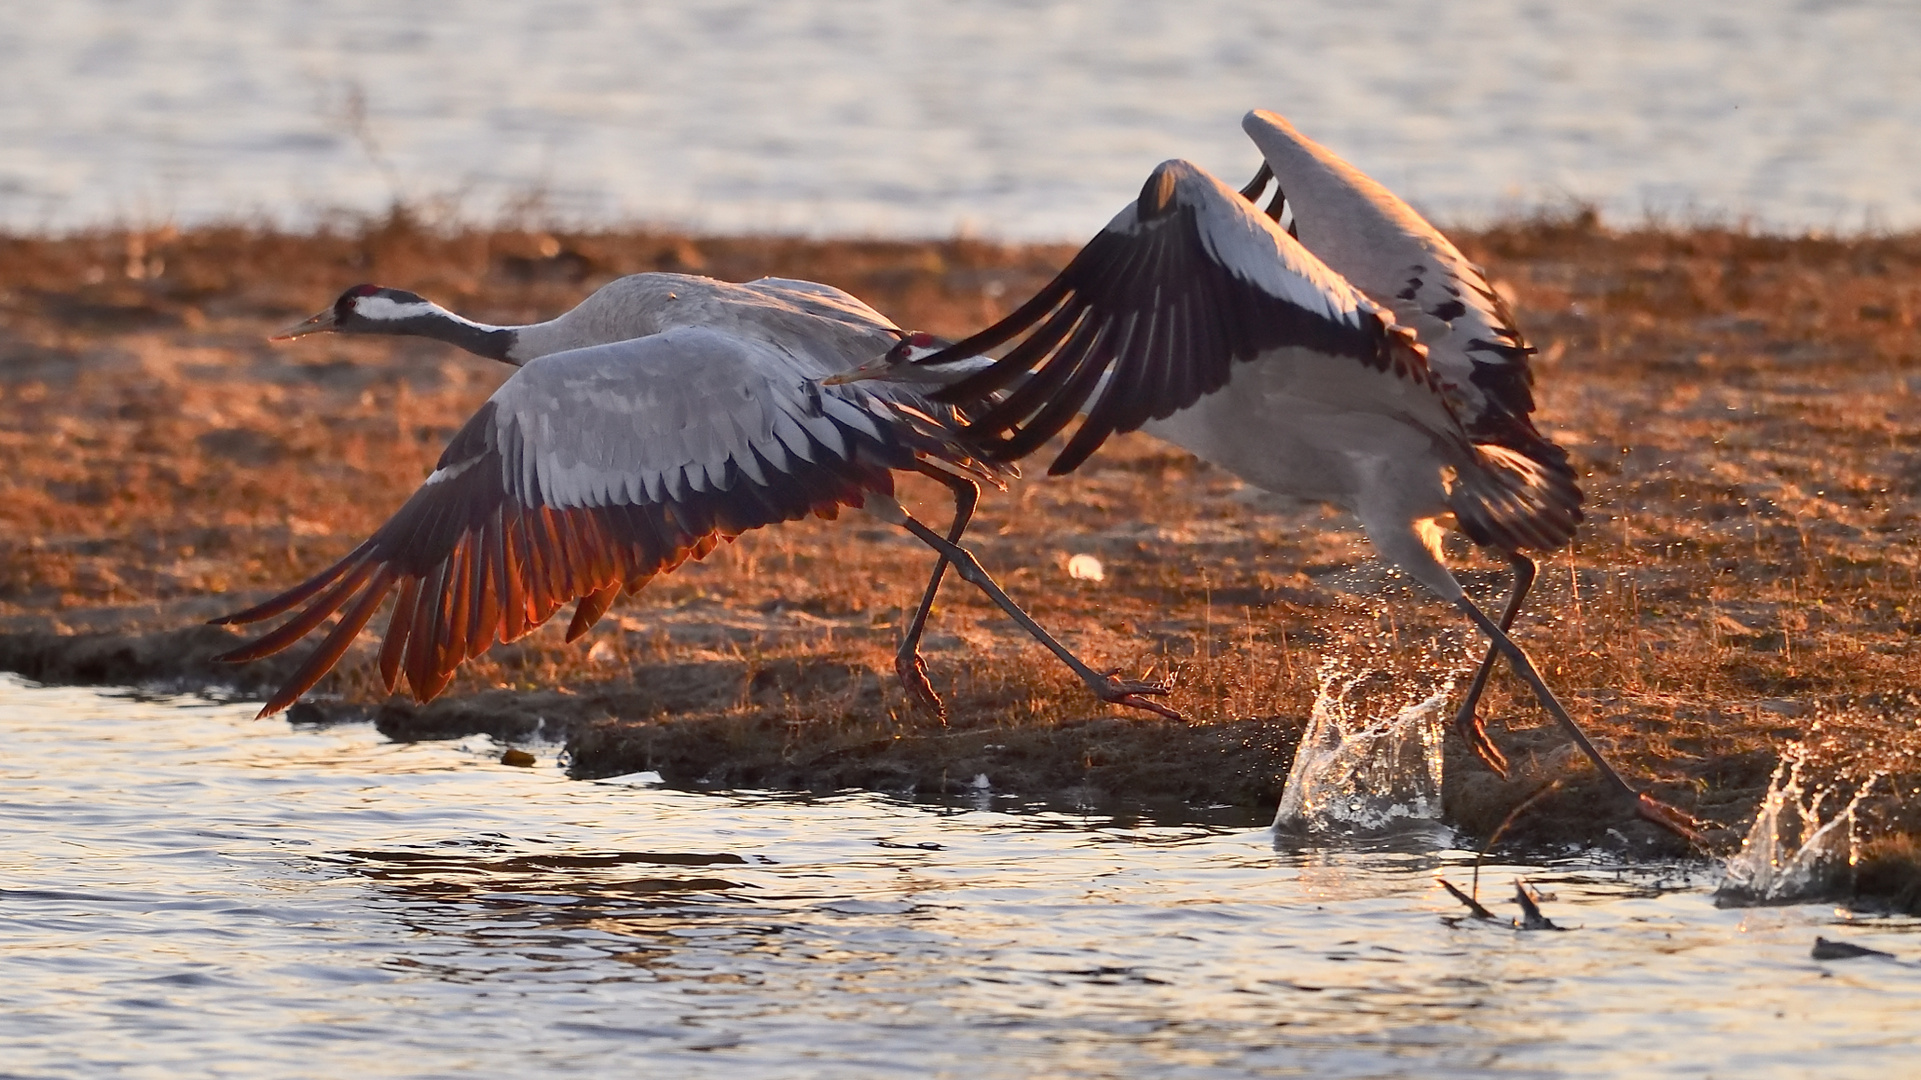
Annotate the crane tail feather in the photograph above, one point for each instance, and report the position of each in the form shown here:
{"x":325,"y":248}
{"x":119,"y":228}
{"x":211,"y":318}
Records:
{"x":1512,"y":501}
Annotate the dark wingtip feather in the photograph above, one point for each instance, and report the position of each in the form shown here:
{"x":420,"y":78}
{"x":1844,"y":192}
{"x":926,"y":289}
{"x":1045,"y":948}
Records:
{"x":589,"y":610}
{"x":981,"y":385}
{"x":300,"y":625}
{"x":293,"y":597}
{"x":334,"y":646}
{"x":399,"y":623}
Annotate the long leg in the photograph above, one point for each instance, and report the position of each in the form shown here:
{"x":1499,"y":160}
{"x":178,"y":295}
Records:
{"x":1472,"y":730}
{"x":1108,"y":688}
{"x":1649,"y":807}
{"x":908,"y":665}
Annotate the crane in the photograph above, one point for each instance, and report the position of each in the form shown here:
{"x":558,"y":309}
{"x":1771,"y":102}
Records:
{"x":594,"y":468}
{"x":1387,"y":250}
{"x":1197,"y":318}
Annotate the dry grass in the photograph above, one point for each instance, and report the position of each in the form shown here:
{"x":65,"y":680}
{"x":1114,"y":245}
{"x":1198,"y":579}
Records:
{"x":1744,"y":407}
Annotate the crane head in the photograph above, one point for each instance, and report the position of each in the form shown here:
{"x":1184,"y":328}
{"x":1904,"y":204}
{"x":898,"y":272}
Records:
{"x":902,"y":364}
{"x":363,"y":309}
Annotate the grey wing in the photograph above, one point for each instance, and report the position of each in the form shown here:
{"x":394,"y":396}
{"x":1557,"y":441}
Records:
{"x":1473,"y":343}
{"x":683,"y":412}
{"x":1153,"y":313}
{"x":1387,"y":249}
{"x":823,"y":300}
{"x":589,"y":472}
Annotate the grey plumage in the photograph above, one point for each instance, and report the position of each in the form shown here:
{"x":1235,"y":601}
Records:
{"x":1382,"y":246}
{"x":593,"y":469}
{"x":1373,"y":239}
{"x":1196,"y":318}
{"x":778,"y":310}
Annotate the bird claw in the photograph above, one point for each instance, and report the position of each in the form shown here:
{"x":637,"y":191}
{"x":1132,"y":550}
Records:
{"x":1130,"y":692}
{"x":1473,"y":731}
{"x":1681,"y":824}
{"x":911,"y":670}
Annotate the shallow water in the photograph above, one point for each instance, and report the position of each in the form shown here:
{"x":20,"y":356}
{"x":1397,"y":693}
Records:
{"x":1803,"y":838}
{"x":189,"y":892}
{"x":1366,"y":765}
{"x":1013,"y":118}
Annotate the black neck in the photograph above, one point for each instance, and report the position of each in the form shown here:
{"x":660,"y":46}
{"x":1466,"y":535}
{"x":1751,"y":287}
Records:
{"x":492,"y":342}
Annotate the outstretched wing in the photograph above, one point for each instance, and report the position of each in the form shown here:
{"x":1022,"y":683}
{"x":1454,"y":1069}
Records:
{"x":589,"y":472}
{"x":1383,"y":247}
{"x":1154,"y":312}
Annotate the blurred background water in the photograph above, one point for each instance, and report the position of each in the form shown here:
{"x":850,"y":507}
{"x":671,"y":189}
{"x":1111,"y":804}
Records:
{"x":1015,"y":119}
{"x":186,"y":891}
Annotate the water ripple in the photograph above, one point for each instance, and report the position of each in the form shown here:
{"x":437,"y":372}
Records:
{"x":188,"y":892}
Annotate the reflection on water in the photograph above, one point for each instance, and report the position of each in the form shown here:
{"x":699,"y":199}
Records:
{"x":190,"y":892}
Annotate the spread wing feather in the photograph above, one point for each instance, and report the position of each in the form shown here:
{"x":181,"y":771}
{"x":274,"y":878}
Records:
{"x":1153,"y":313}
{"x":588,"y":473}
{"x":1389,"y":251}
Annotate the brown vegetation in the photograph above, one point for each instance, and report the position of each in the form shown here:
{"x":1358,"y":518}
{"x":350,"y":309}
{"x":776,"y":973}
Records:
{"x":1744,"y":407}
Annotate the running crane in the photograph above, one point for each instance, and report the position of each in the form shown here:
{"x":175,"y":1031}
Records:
{"x":599,"y":466}
{"x":1198,"y":319}
{"x":1383,"y":247}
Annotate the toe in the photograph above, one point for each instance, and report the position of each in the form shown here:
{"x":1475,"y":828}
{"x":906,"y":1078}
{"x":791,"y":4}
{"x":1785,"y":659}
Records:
{"x":1135,"y":702}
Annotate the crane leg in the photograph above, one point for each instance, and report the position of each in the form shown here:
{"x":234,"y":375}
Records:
{"x":1646,"y":805}
{"x":1472,"y":729}
{"x":1107,"y":687}
{"x":909,"y":668}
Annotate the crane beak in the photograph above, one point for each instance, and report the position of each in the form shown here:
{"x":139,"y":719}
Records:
{"x":879,"y":367}
{"x":319,"y":324}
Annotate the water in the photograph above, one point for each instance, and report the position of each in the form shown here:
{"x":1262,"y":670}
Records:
{"x":187,"y":892}
{"x":1802,"y":842}
{"x":1013,"y":118}
{"x":1363,"y":768}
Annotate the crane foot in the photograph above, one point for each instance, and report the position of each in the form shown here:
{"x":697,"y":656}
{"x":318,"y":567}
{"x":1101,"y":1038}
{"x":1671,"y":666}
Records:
{"x":1675,"y":821}
{"x":911,"y":670}
{"x":1133,"y":693}
{"x":1473,"y":731}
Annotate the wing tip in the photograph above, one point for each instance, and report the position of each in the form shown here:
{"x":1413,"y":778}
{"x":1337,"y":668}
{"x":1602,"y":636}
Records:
{"x":1157,"y":194}
{"x":1264,"y":118}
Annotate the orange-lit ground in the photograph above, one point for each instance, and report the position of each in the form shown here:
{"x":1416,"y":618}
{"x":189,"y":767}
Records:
{"x":1748,"y":412}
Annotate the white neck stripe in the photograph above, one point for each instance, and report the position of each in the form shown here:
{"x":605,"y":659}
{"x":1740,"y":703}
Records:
{"x":385,"y":309}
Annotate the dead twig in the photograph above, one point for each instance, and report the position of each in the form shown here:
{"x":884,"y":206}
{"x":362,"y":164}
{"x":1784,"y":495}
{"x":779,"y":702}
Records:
{"x":1473,"y":905}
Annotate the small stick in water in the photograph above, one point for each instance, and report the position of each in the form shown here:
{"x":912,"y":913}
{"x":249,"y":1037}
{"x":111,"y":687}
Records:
{"x":1473,"y":905}
{"x":1843,"y":950}
{"x":1531,"y":917}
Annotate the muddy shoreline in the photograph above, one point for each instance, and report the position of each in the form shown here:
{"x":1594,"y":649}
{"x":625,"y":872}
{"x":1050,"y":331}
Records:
{"x":1744,"y":408}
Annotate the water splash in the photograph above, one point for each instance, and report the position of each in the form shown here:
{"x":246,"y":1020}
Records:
{"x":1357,"y":774}
{"x":1794,"y":850}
